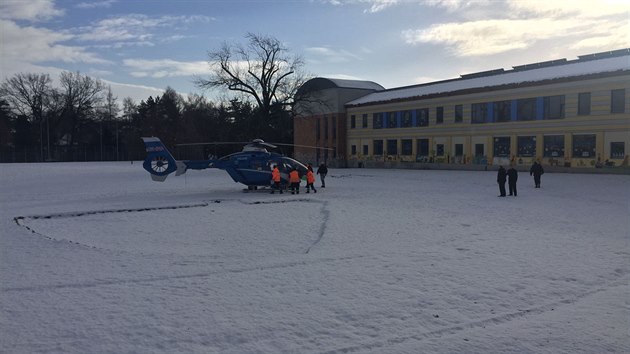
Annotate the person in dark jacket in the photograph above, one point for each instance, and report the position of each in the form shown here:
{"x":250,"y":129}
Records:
{"x":536,"y":171}
{"x":501,"y":178}
{"x":512,"y":178}
{"x":322,"y":171}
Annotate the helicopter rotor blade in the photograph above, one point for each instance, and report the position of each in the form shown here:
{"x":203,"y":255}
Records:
{"x":258,"y":142}
{"x":215,"y":143}
{"x":304,"y":146}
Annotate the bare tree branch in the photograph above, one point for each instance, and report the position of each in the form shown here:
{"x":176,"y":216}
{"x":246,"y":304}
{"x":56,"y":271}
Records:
{"x":27,"y":94}
{"x":263,"y":70}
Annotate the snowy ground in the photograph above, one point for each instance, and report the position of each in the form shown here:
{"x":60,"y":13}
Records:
{"x":97,"y":258}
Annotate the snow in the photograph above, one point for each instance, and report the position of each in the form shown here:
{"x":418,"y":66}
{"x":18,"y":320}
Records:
{"x":95,"y":257}
{"x":570,"y":69}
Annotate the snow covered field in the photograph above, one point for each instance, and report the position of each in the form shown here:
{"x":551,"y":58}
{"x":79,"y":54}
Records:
{"x":97,"y":258}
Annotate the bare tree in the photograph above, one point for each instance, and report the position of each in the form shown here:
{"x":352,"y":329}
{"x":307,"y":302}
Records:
{"x":111,"y":106}
{"x":81,"y":93}
{"x":27,"y":94}
{"x":81,"y":96}
{"x":129,"y":108}
{"x":263,"y":70}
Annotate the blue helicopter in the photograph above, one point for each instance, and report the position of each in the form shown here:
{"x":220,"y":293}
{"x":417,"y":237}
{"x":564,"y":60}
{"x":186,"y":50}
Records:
{"x":252,"y":166}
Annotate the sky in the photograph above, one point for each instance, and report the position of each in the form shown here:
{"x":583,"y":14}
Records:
{"x":97,"y":258}
{"x":140,"y":47}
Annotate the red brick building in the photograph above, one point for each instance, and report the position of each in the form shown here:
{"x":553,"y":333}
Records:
{"x":321,"y":120}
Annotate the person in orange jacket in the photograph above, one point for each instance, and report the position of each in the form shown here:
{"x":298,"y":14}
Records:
{"x":275,"y":178}
{"x":310,"y":180}
{"x":294,"y":179}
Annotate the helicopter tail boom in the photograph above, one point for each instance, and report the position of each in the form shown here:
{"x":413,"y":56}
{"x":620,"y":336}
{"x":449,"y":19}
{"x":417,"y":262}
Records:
{"x":159,"y":161}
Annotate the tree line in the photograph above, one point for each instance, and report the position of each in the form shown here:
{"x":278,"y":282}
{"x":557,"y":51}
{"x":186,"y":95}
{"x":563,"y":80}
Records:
{"x":81,"y":120}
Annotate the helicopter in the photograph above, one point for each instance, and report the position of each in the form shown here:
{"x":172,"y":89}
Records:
{"x":252,"y":166}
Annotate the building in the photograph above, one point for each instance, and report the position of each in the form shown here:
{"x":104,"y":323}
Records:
{"x":321,"y":121}
{"x":568,"y":113}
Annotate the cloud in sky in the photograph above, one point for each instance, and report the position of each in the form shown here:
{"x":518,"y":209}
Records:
{"x":374,"y":5}
{"x":32,"y":10}
{"x":380,"y":5}
{"x":133,"y":27}
{"x":165,"y":68}
{"x":135,"y":92}
{"x":587,"y":24}
{"x":95,"y":4}
{"x":328,"y":55}
{"x":33,"y":45}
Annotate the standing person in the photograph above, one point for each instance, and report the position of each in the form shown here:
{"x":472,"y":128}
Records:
{"x":294,"y":179}
{"x":537,"y":171}
{"x":501,"y":177}
{"x":512,"y":178}
{"x":275,"y":178}
{"x":322,"y":171}
{"x":310,"y":180}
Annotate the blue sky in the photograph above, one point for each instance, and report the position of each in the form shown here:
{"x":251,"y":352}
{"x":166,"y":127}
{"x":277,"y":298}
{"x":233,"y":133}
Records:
{"x":140,"y":47}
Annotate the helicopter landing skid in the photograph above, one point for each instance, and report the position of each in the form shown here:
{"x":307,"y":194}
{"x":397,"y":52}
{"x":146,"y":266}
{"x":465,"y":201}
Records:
{"x":255,"y":189}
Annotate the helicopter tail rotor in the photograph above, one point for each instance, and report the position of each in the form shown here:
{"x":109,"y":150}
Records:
{"x":159,"y":161}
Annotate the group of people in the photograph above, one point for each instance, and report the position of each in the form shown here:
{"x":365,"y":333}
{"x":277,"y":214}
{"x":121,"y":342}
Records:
{"x":294,"y":179}
{"x":511,"y":176}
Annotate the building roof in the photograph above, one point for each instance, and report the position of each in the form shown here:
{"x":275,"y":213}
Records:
{"x":321,"y":83}
{"x":598,"y":63}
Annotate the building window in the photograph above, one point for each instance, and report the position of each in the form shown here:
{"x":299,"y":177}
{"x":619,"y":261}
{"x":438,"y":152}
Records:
{"x":502,"y":146}
{"x":526,"y":146}
{"x":392,"y":147}
{"x":353,"y":122}
{"x":478,"y":113}
{"x":526,"y":109}
{"x":377,"y":120}
{"x":459,"y":150}
{"x":439,"y":150}
{"x":364,"y":121}
{"x":406,"y":147}
{"x":618,"y":101}
{"x":479,"y":150}
{"x":422,"y":117}
{"x":439,"y":115}
{"x":334,"y":127}
{"x":553,"y":146}
{"x":459,"y":113}
{"x":584,"y":146}
{"x":325,"y":127}
{"x":553,"y":107}
{"x":406,"y":120}
{"x":317,"y":129}
{"x":365,"y":150}
{"x":391,"y":120}
{"x":353,"y":148}
{"x":502,"y":111}
{"x":423,"y":147}
{"x":584,"y":103}
{"x":378,"y":147}
{"x":617,"y":150}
